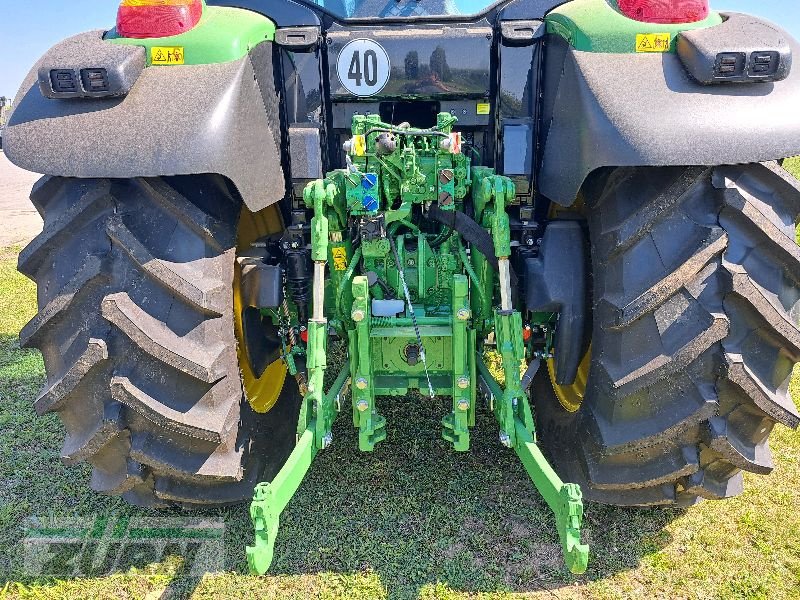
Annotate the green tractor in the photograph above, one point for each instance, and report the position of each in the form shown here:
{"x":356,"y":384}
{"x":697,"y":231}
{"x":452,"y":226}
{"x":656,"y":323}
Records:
{"x":570,"y":214}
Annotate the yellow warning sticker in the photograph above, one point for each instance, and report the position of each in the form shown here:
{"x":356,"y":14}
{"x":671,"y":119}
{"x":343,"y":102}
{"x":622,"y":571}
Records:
{"x":339,"y":258}
{"x":483,"y":108}
{"x":359,"y":145}
{"x":653,"y":42}
{"x":167,"y":55}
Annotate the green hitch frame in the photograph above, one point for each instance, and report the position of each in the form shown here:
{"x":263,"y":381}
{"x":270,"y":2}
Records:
{"x":456,"y":424}
{"x":512,"y":406}
{"x":270,"y":499}
{"x":453,"y":309}
{"x":370,"y":424}
{"x":564,"y":499}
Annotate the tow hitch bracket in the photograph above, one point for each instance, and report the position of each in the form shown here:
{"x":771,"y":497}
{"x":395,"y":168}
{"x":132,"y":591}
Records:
{"x":417,"y":312}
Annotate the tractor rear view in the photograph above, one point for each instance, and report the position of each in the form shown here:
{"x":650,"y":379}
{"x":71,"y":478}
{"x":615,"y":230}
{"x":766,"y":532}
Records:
{"x":571,"y":215}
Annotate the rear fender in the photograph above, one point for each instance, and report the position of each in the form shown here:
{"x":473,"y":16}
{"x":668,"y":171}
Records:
{"x":178,"y":120}
{"x":617,"y":110}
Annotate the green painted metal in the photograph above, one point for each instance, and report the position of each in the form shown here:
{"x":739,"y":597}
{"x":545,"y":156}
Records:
{"x":456,"y":424}
{"x":564,"y":499}
{"x":317,"y":411}
{"x":599,"y":26}
{"x":270,"y":499}
{"x":512,"y":407}
{"x":222,"y":35}
{"x":416,"y":309}
{"x":371,"y":425}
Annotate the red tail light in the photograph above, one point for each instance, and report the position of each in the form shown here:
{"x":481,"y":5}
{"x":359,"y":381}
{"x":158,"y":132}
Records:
{"x":665,"y":11}
{"x":157,"y":18}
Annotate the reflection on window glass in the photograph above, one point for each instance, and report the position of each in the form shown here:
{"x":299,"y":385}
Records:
{"x":366,"y":9}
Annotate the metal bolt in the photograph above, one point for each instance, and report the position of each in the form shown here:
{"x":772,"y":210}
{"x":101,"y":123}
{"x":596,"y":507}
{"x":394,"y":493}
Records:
{"x":463,"y":382}
{"x":505,"y":439}
{"x":358,"y":315}
{"x":411,"y":262}
{"x":362,"y":405}
{"x":462,"y":314}
{"x":327,"y":440}
{"x":361,"y":383}
{"x":463,"y":404}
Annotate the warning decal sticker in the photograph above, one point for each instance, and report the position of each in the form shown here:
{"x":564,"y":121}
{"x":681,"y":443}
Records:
{"x":653,"y":42}
{"x":160,"y":55}
{"x":339,"y":258}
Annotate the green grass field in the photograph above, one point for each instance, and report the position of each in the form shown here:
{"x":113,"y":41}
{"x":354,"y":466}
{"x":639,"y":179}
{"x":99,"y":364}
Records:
{"x":412,"y":520}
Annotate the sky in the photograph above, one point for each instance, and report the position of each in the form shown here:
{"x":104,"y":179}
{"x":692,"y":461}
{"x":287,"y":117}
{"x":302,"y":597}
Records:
{"x":29,"y":27}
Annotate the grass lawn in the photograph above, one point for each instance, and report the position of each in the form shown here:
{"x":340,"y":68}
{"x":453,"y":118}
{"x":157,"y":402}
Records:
{"x":412,"y":520}
{"x":793,"y":165}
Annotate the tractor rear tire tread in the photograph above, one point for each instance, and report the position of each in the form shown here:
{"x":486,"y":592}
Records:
{"x":137,"y":334}
{"x":696,"y":304}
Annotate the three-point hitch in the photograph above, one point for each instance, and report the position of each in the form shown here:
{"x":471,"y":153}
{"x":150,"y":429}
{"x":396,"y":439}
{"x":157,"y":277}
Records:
{"x":411,"y":246}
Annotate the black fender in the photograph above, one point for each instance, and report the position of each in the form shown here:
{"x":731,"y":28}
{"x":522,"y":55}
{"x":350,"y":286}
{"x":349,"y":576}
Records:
{"x":556,"y":282}
{"x":618,"y":110}
{"x":178,"y":120}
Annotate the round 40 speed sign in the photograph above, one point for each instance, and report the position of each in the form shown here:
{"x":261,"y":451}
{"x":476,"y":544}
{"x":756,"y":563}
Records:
{"x":363,"y":67}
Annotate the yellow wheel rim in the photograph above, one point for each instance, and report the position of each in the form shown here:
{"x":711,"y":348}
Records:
{"x":261,"y":392}
{"x":571,"y":396}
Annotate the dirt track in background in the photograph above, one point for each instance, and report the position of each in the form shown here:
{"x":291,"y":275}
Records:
{"x":19,"y":221}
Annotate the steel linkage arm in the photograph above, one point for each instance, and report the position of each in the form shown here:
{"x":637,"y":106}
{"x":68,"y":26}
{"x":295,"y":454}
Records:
{"x":270,"y":499}
{"x":512,"y":407}
{"x":318,"y":410}
{"x":564,"y":499}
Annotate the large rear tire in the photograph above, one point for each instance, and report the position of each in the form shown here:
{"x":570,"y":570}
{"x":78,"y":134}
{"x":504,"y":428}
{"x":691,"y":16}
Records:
{"x":136,"y":325}
{"x":696,"y":278}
